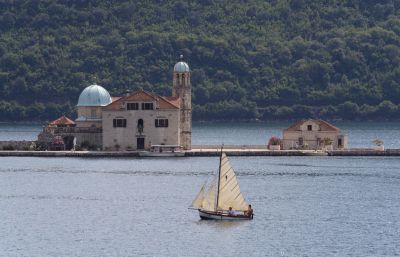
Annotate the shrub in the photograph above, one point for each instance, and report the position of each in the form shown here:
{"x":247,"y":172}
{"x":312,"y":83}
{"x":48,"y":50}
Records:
{"x":327,"y":141}
{"x":86,"y":145}
{"x":378,"y":142}
{"x":274,"y":141}
{"x":8,"y":148}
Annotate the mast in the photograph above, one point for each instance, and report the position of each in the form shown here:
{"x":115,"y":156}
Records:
{"x":219,"y":175}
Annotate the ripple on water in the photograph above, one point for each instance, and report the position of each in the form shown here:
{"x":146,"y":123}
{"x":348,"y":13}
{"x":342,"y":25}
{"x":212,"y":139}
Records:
{"x":132,"y":207}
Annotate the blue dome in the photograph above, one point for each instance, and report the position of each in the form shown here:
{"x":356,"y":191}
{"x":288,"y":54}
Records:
{"x":94,"y":95}
{"x":181,"y":67}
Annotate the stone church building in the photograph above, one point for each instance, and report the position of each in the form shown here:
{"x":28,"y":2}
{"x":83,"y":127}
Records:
{"x":134,"y":121}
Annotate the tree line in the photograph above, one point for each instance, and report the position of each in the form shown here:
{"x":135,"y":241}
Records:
{"x":280,"y":59}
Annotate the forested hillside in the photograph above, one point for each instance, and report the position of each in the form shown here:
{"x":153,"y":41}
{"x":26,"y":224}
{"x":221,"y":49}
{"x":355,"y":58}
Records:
{"x":275,"y":59}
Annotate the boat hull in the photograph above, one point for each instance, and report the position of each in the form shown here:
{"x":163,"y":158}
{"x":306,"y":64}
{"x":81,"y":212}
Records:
{"x":210,"y":215}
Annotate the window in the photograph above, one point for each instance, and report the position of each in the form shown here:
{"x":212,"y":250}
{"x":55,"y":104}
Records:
{"x":147,"y":106}
{"x":301,"y":142}
{"x":132,"y":106}
{"x":339,"y":142}
{"x":93,"y":114}
{"x":161,"y":123}
{"x":119,"y":123}
{"x":309,"y":127}
{"x":140,"y":125}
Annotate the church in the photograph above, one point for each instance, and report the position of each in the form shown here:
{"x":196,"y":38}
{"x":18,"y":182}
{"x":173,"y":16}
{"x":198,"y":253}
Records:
{"x":134,"y":121}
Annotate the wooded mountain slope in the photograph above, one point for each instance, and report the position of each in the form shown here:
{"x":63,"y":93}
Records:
{"x":273,"y":59}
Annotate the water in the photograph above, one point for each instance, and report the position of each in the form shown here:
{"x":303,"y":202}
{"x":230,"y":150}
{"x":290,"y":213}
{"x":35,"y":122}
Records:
{"x":304,"y":206}
{"x":17,"y":131}
{"x":361,"y":134}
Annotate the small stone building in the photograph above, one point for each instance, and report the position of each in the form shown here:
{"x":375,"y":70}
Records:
{"x":313,"y":134}
{"x":58,"y":134}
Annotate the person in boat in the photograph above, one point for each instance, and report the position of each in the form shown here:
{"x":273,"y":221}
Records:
{"x":249,"y":211}
{"x":231,"y":212}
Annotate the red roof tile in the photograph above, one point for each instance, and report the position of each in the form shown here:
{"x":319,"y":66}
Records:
{"x":174,"y":100}
{"x":323,"y":125}
{"x":141,"y":96}
{"x":62,"y":121}
{"x":115,"y":98}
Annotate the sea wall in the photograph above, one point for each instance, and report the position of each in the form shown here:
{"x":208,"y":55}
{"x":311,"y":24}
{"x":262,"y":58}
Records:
{"x":209,"y":153}
{"x":96,"y":154}
{"x":365,"y":152}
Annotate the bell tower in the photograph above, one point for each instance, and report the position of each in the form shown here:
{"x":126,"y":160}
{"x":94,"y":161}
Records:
{"x":182,"y":88}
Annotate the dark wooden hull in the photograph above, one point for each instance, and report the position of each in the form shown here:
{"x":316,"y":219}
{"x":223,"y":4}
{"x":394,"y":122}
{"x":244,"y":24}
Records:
{"x":211,"y":215}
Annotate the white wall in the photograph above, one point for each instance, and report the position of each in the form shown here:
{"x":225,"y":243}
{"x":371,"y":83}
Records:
{"x":310,"y":138}
{"x":126,"y":138}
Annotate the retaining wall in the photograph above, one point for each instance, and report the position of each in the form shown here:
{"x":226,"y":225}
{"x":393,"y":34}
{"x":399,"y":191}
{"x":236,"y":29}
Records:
{"x":208,"y":153}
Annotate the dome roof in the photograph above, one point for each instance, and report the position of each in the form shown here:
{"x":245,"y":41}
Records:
{"x":181,"y":67}
{"x":94,"y":95}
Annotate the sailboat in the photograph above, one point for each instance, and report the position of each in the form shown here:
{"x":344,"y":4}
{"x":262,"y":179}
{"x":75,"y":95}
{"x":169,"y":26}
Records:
{"x":215,"y":199}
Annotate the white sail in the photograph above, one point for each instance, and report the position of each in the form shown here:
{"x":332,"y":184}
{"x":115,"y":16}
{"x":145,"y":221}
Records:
{"x":198,"y":201}
{"x":229,"y":190}
{"x":208,"y":203}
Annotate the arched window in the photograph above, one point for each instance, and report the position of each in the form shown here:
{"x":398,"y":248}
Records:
{"x":140,"y":125}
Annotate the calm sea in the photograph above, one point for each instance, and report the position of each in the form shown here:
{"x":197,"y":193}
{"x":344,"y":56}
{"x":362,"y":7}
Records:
{"x":304,"y":206}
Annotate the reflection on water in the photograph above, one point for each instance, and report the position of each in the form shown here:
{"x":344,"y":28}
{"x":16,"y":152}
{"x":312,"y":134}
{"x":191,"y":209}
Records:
{"x":222,"y":224}
{"x":304,"y":206}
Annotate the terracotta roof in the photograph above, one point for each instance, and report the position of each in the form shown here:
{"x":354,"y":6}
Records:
{"x":295,"y":126}
{"x":323,"y":125}
{"x":115,"y":98}
{"x":62,"y":121}
{"x":174,"y":100}
{"x":141,"y":96}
